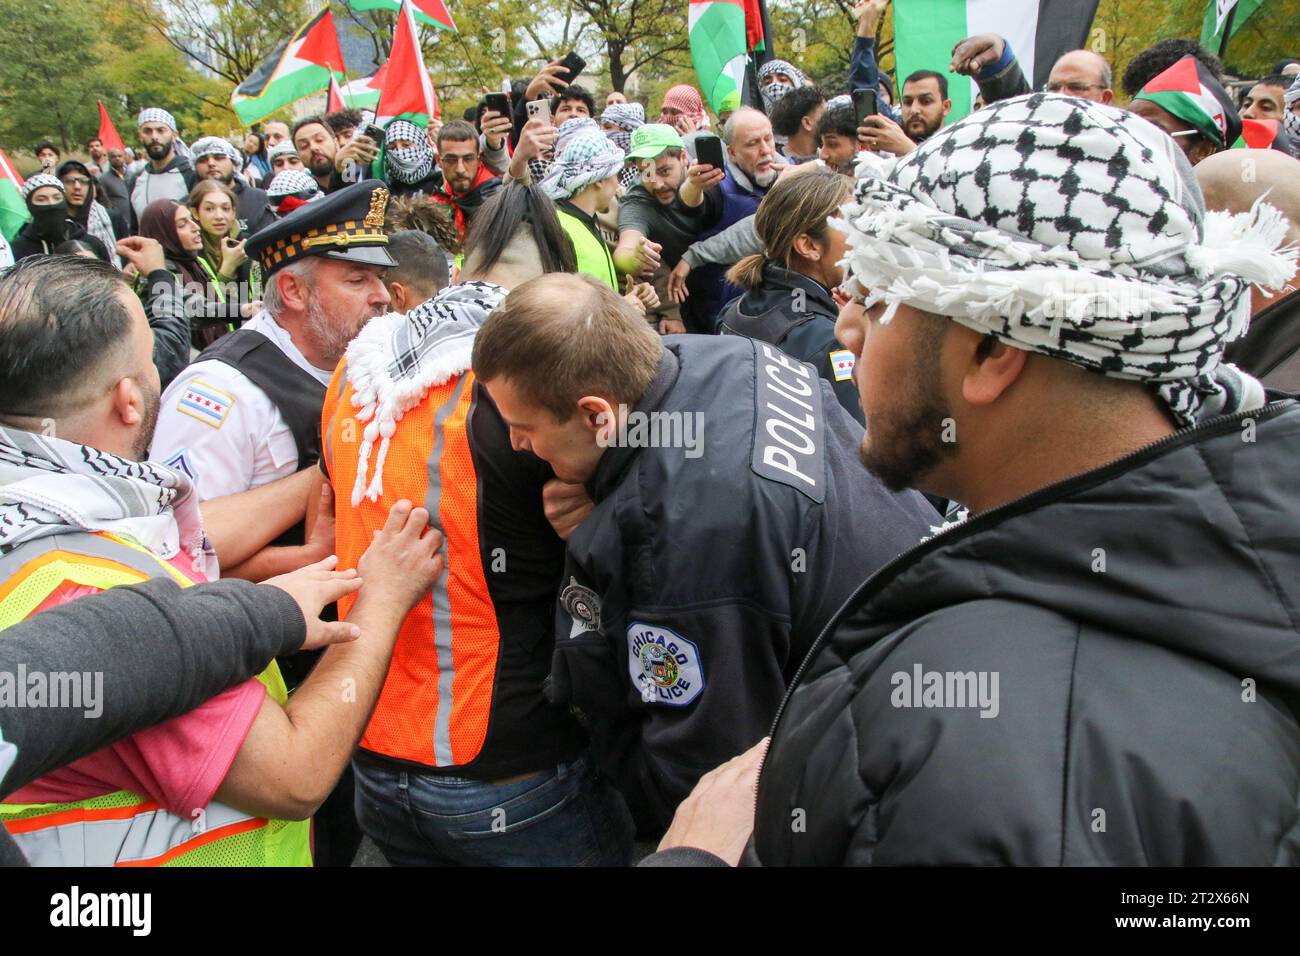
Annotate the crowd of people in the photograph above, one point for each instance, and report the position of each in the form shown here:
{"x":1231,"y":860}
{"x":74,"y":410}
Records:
{"x":886,"y":490}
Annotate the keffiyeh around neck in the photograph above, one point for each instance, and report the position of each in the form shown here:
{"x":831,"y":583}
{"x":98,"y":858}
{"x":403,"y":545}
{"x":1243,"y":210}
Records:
{"x":1074,"y":230}
{"x":397,"y":358}
{"x":50,"y":486}
{"x":408,"y":164}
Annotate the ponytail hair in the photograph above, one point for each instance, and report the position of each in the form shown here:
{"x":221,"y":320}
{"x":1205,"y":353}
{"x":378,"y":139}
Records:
{"x":800,"y":202}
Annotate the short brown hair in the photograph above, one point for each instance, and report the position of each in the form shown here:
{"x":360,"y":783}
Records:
{"x":562,"y":336}
{"x":456,"y":131}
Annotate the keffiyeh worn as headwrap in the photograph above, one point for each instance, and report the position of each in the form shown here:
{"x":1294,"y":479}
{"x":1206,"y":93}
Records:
{"x":407,"y":164}
{"x":685,"y":99}
{"x":281,"y":149}
{"x":1290,"y":118}
{"x":772,"y":89}
{"x":155,"y":115}
{"x":216,"y":146}
{"x":34,"y":183}
{"x":585,"y":159}
{"x":626,"y":116}
{"x":290,"y":189}
{"x":572,"y":128}
{"x":1075,"y":230}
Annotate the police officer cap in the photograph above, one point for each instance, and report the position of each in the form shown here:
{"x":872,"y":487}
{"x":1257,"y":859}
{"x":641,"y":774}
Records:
{"x":346,"y":225}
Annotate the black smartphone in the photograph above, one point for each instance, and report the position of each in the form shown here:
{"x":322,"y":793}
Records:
{"x":864,"y":104}
{"x":374,"y":133}
{"x":498,"y":103}
{"x":574,"y":65}
{"x":708,"y":149}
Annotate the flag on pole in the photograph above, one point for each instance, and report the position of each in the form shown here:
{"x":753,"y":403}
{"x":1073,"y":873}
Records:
{"x":718,"y":37}
{"x":297,"y":67}
{"x":432,"y":12}
{"x":1039,"y":31}
{"x":363,"y":94}
{"x":407,"y":92}
{"x":107,"y":131}
{"x":1223,"y":20}
{"x":334,"y":99}
{"x":13,"y":210}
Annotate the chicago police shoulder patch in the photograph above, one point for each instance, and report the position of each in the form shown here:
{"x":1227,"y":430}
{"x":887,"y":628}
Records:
{"x":665,"y":666}
{"x":208,"y":404}
{"x":582,"y":605}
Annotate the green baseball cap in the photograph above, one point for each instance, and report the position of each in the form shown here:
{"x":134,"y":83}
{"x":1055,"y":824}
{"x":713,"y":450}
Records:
{"x":651,"y":139}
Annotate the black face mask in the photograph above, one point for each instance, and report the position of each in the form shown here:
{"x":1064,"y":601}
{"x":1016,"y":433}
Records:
{"x":50,"y":222}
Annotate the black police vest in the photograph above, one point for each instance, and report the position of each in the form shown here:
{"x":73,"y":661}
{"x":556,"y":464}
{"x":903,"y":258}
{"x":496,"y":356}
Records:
{"x":296,"y":393}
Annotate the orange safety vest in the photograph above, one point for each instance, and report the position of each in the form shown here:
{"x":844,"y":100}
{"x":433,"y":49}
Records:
{"x":436,"y":701}
{"x":124,"y":828}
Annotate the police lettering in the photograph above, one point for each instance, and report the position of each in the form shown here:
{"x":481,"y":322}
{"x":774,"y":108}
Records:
{"x":787,"y":446}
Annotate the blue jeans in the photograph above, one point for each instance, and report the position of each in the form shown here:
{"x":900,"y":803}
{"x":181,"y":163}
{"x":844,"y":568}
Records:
{"x":563,"y":816}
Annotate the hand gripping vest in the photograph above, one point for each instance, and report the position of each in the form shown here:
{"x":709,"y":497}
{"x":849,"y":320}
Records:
{"x":124,"y":828}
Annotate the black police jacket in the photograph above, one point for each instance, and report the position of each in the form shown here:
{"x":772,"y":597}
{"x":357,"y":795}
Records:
{"x":796,"y":314}
{"x":706,"y":569}
{"x":1105,"y":671}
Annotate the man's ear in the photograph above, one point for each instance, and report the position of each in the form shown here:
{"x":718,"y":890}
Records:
{"x":397,"y":293}
{"x":991,"y":367}
{"x":128,"y":402}
{"x":947,"y":107}
{"x":598,"y":416}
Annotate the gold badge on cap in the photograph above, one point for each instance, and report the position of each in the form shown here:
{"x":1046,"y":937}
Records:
{"x":378,"y":203}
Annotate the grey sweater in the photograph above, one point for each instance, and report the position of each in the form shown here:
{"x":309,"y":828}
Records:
{"x":162,"y":651}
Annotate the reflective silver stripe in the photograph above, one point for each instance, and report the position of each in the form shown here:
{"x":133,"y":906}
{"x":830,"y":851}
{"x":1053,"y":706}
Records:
{"x":81,"y":542}
{"x":442,"y":635}
{"x":143,"y":836}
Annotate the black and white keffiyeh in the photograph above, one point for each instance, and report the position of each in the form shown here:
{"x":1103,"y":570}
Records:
{"x":34,"y":183}
{"x":1075,"y":230}
{"x":1290,"y":118}
{"x":398,"y":357}
{"x":771,"y":88}
{"x":153,"y":114}
{"x":49,"y":486}
{"x":216,"y":146}
{"x":407,"y":164}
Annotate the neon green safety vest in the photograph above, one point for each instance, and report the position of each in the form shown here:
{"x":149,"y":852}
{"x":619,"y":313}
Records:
{"x":590,"y":250}
{"x":125,"y":828}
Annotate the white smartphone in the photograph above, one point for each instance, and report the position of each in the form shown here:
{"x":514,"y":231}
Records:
{"x":539,"y":109}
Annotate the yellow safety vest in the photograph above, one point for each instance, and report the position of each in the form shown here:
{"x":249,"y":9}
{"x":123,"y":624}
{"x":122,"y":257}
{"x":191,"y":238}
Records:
{"x":125,"y":828}
{"x":590,"y":251}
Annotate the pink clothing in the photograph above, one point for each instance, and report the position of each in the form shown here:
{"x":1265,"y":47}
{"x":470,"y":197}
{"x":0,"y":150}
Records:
{"x":179,"y":764}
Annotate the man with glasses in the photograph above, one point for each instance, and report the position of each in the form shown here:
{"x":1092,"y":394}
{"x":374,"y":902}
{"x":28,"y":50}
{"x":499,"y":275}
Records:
{"x":989,"y":58}
{"x":1084,"y":74}
{"x":467,"y":183}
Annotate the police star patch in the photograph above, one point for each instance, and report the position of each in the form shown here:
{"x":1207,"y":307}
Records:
{"x":842,"y":365}
{"x":582,"y":605}
{"x":209,"y":405}
{"x":665,"y":666}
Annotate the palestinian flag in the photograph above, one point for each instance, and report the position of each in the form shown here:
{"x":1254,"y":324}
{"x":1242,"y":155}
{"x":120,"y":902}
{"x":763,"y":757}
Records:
{"x":407,"y":92}
{"x":13,"y":210}
{"x":719,"y":41}
{"x":363,"y":94}
{"x":298,"y":67}
{"x":1039,"y":31}
{"x":1189,"y":92}
{"x":1223,"y":19}
{"x":1261,"y":134}
{"x":432,"y":12}
{"x":107,"y":131}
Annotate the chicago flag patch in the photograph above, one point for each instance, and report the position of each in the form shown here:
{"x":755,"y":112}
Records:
{"x":842,"y":364}
{"x":665,"y":666}
{"x":209,"y":405}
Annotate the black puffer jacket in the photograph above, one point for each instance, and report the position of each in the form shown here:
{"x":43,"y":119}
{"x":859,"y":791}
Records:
{"x":797,"y":315}
{"x":1142,"y":620}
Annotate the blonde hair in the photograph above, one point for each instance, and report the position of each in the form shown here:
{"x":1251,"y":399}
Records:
{"x":212,"y":244}
{"x":800,"y":202}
